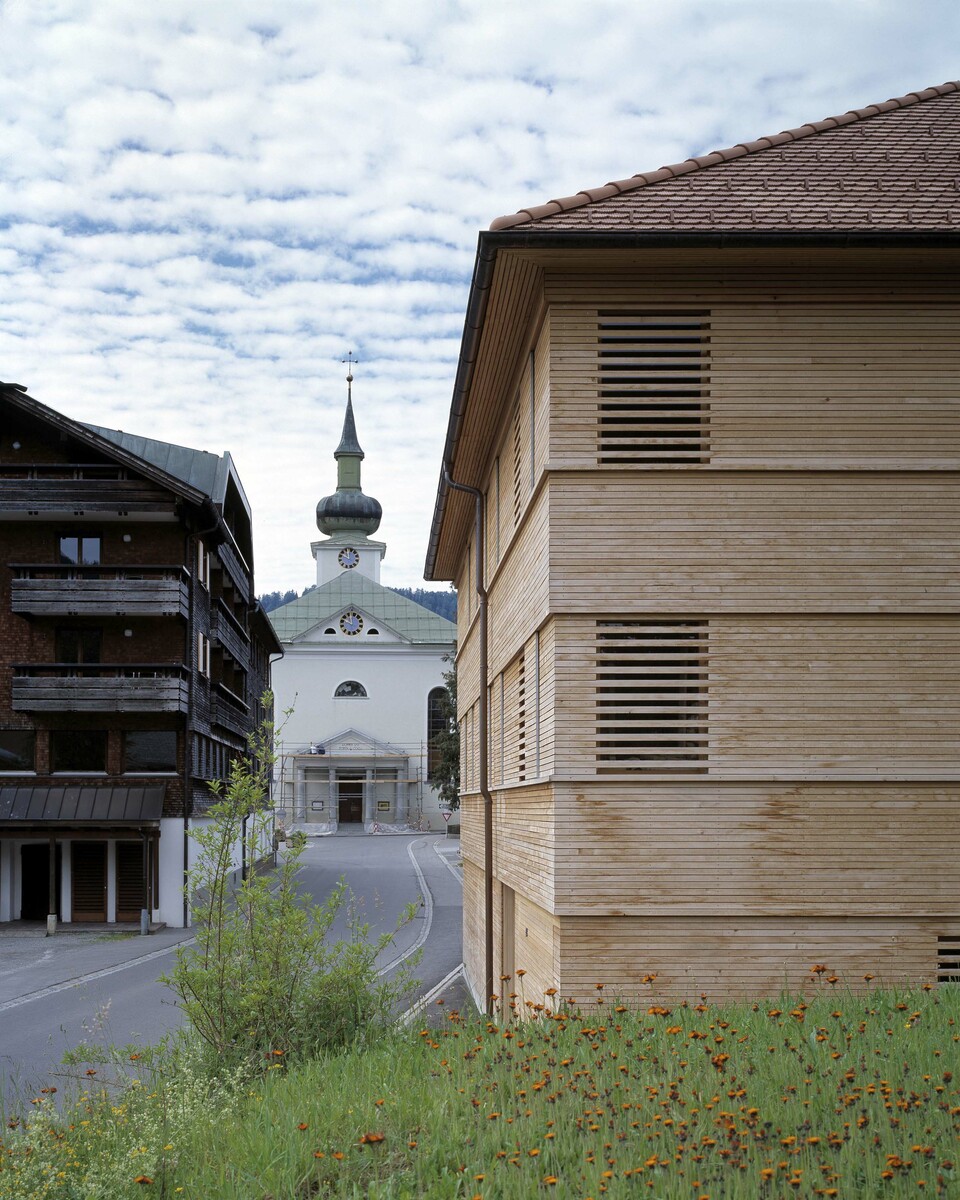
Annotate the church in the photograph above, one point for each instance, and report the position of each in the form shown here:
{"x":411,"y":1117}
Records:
{"x":361,"y":679}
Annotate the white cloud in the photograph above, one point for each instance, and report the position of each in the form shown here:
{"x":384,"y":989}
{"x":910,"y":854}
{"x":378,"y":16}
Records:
{"x":203,"y":207}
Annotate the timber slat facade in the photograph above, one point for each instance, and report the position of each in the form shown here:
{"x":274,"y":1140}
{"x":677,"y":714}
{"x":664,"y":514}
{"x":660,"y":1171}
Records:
{"x":722,"y":532}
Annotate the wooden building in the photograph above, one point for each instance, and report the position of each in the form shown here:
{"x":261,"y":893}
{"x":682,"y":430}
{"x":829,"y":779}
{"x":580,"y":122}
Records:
{"x":133,"y":659}
{"x":700,"y":502}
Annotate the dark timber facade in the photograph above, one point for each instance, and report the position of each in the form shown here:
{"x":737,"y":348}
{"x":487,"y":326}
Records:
{"x":133,"y":659}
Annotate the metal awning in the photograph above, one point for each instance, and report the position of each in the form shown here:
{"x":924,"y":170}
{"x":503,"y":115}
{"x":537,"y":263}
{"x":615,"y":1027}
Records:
{"x":49,"y":809}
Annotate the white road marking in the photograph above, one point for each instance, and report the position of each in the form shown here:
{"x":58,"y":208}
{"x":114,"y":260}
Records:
{"x":82,"y":979}
{"x":427,"y":907}
{"x":416,"y":1009}
{"x":454,"y":871}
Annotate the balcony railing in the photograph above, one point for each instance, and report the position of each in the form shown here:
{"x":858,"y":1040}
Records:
{"x":230,"y":634}
{"x":40,"y":590}
{"x":237,"y":569}
{"x":100,"y":687}
{"x":229,"y":710}
{"x":33,"y":489}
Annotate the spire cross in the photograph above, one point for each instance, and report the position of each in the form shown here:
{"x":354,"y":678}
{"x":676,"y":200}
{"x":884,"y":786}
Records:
{"x":351,"y":363}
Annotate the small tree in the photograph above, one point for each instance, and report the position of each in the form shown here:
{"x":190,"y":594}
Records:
{"x":446,"y":769}
{"x":261,"y":982}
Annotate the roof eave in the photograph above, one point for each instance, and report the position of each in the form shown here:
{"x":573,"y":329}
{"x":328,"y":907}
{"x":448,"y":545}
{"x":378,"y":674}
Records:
{"x":525,"y":237}
{"x":83,"y":433}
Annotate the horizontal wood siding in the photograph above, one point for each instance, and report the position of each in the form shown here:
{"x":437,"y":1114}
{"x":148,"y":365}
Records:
{"x":858,"y":697}
{"x":791,"y":697}
{"x":688,"y":541}
{"x":752,"y":957}
{"x":536,"y":949}
{"x":757,"y":849}
{"x":787,"y":386}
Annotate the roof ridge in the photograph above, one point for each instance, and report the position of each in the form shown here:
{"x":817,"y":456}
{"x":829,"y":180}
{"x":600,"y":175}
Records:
{"x":700,"y":162}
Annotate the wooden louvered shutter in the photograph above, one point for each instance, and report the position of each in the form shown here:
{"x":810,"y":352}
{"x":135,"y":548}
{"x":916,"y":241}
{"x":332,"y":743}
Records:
{"x":653,"y":372}
{"x":130,"y":897}
{"x":88,"y":866}
{"x":652,"y":679}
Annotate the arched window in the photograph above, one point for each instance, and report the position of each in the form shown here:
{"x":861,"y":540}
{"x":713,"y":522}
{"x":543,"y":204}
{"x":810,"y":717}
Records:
{"x":436,"y":723}
{"x":348,"y":688}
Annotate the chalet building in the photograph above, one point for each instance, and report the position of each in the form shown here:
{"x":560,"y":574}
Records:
{"x":133,"y":659}
{"x":361,"y":679}
{"x":707,"y":421}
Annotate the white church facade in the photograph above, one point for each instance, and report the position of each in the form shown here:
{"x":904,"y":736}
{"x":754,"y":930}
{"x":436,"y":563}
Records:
{"x":361,"y":679}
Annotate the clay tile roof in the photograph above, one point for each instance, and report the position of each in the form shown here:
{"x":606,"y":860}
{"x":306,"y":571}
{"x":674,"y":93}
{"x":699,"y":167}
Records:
{"x":888,"y":166}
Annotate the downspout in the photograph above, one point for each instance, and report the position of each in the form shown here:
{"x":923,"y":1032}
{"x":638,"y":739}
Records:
{"x":482,"y":715}
{"x":192,"y":542}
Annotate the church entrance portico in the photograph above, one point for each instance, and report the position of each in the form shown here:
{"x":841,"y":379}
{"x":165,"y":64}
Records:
{"x":353,"y":780}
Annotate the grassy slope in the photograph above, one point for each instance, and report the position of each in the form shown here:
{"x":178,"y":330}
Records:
{"x":837,"y":1095}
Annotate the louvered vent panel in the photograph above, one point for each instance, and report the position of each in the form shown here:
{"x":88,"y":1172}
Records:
{"x":89,"y":873}
{"x":652,"y":697}
{"x":948,"y":958}
{"x":653,"y":372}
{"x":522,"y":719}
{"x":130,"y":897}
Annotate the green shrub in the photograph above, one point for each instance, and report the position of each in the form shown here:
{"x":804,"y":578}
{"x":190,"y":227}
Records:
{"x":261,"y":981}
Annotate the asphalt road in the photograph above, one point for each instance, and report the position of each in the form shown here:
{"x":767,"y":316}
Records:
{"x":78,"y":987}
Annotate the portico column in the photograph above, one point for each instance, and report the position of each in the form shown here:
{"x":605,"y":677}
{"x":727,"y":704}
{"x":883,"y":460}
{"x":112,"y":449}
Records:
{"x":369,"y":797}
{"x":402,"y":786}
{"x":334,"y":800}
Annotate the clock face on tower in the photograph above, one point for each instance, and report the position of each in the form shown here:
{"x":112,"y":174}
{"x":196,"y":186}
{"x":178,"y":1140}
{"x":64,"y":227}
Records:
{"x":351,"y":623}
{"x":348,"y":558}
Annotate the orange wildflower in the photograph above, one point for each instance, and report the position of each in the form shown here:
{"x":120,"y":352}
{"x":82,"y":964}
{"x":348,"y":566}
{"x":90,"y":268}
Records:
{"x":371,"y":1139}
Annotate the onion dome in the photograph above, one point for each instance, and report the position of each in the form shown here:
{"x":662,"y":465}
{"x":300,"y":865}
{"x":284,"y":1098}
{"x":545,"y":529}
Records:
{"x":348,"y":509}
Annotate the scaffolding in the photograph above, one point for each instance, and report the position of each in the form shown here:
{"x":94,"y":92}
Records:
{"x":320,"y":786}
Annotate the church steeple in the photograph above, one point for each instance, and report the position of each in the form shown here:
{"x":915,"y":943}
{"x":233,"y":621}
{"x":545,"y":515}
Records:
{"x":349,"y":510}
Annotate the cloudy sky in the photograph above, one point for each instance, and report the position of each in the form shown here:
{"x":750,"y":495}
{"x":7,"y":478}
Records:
{"x":205,"y":205}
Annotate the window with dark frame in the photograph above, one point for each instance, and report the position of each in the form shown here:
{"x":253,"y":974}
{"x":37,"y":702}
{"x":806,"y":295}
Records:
{"x":348,"y":689}
{"x":436,"y":723}
{"x":17,"y":749}
{"x":80,"y":549}
{"x":149,"y":751}
{"x":78,"y":750}
{"x":77,"y":645}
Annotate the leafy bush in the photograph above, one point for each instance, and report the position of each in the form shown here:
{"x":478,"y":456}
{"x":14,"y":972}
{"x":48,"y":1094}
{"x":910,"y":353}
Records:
{"x":261,"y":981}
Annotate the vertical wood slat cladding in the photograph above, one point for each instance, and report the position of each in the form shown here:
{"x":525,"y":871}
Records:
{"x":749,"y":957}
{"x":790,"y":386}
{"x":757,"y":849}
{"x":710,"y":541}
{"x":653,"y":387}
{"x":523,"y":861}
{"x":802,"y":697}
{"x":473,"y":906}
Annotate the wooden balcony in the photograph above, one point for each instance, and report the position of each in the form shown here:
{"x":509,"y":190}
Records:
{"x":40,"y":489}
{"x":228,"y":710}
{"x":237,"y":569}
{"x":229,"y":634}
{"x":38,"y":590}
{"x":100,"y":687}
